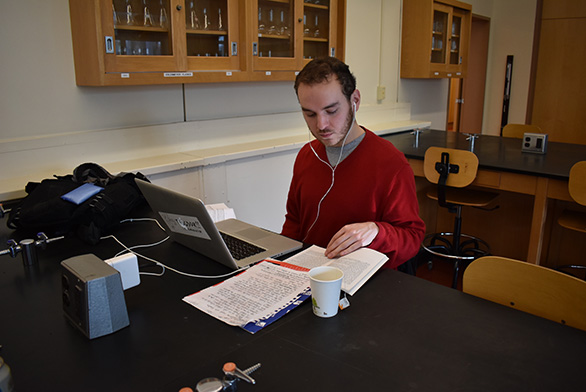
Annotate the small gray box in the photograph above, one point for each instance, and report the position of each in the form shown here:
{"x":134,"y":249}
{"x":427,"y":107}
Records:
{"x":93,"y":299}
{"x":535,"y":143}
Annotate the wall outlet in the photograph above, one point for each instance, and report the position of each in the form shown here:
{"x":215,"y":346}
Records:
{"x":381,"y":93}
{"x":535,"y":143}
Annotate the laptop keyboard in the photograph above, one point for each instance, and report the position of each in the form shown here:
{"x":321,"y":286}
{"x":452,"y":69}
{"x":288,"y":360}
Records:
{"x":240,"y":249}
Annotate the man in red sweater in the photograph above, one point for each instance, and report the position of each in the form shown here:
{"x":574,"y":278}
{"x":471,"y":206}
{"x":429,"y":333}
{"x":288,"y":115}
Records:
{"x":350,"y":188}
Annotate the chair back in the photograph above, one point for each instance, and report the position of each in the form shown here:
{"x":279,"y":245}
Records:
{"x":457,"y":167}
{"x":529,"y":288}
{"x":577,"y":182}
{"x":518,"y":130}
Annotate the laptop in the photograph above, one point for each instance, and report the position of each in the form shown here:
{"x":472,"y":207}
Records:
{"x":231,"y":242}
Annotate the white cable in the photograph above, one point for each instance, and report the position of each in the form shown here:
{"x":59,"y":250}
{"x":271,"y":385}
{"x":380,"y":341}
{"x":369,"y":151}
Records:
{"x":158,"y":263}
{"x":333,"y":168}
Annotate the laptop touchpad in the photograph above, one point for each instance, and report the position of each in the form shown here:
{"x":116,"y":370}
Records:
{"x":253,"y":233}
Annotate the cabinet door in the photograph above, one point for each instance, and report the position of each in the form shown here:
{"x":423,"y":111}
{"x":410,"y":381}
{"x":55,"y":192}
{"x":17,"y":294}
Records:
{"x":460,"y":26}
{"x":319,"y":28}
{"x":289,"y":33}
{"x":276,"y":33}
{"x":139,"y":35}
{"x":171,"y":35}
{"x":212,"y":34}
{"x":440,"y":29}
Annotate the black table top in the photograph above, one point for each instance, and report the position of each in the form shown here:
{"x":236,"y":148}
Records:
{"x":497,"y":153}
{"x":400,"y":333}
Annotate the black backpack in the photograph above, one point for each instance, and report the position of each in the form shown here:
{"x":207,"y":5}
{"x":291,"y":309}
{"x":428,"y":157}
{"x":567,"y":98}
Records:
{"x":44,"y":210}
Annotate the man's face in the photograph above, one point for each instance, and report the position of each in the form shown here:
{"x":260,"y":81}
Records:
{"x":326,"y":110}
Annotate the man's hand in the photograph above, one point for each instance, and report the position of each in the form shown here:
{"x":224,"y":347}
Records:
{"x":351,"y":237}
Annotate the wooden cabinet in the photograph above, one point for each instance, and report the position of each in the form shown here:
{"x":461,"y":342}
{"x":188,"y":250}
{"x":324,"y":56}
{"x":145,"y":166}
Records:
{"x":130,"y":42}
{"x":435,"y":38}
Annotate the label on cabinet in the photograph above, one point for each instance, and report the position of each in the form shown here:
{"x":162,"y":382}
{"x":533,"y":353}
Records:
{"x":177,"y":74}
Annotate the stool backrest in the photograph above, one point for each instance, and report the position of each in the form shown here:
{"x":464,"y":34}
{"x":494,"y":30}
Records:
{"x":464,"y":164}
{"x":577,"y":182}
{"x":517,"y":130}
{"x":529,"y":288}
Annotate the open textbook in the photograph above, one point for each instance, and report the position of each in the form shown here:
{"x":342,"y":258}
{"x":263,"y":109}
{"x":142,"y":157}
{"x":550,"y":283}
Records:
{"x":270,"y":289}
{"x":358,"y":266}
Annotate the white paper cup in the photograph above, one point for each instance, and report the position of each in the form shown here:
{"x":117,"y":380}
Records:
{"x":325,"y":283}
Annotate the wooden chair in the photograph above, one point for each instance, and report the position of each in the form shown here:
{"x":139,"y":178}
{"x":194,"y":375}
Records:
{"x":575,"y":220}
{"x":529,"y":288}
{"x":517,"y":130}
{"x":452,"y":171}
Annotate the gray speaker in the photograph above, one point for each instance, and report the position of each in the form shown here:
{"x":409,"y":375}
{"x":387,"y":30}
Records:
{"x":93,"y":299}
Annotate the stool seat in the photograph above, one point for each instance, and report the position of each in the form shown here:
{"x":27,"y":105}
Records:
{"x":518,"y":130}
{"x":573,"y":220}
{"x":465,"y":197}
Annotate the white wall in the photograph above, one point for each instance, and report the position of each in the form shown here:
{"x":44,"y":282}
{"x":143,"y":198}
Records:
{"x":512,"y":33}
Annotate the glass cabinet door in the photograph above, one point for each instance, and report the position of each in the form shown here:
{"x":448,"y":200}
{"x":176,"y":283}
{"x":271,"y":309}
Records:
{"x":275,"y":26}
{"x":135,"y":31}
{"x":211,"y":34}
{"x":316,"y":29}
{"x":455,"y":39}
{"x":172,"y":35}
{"x":207,"y":28}
{"x":439,"y":39}
{"x":275,"y":35}
{"x":141,"y":28}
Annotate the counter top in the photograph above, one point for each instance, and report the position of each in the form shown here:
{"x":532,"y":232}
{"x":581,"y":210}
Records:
{"x":495,"y":152}
{"x":149,"y":164}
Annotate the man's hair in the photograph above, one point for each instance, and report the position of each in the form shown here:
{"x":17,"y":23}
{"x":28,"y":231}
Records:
{"x":321,"y":70}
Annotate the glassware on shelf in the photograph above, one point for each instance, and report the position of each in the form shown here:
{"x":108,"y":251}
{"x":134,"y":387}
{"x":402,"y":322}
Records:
{"x":272,"y":28}
{"x":163,"y":18}
{"x":306,"y":31}
{"x":206,"y":20}
{"x":115,"y":16}
{"x":284,"y":26}
{"x":193,"y":22}
{"x":316,"y":32}
{"x":220,"y":23}
{"x":128,"y":15}
{"x":146,"y":12}
{"x":221,"y":46}
{"x":261,"y":23}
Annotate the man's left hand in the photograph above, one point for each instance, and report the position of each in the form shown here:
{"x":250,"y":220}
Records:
{"x":351,"y":237}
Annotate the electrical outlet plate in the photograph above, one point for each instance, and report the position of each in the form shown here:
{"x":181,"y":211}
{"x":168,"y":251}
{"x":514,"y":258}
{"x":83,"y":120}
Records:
{"x":380,"y":93}
{"x":535,"y":143}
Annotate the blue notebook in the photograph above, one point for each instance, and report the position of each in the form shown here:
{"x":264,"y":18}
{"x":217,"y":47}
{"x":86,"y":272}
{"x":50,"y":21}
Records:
{"x":82,"y":193}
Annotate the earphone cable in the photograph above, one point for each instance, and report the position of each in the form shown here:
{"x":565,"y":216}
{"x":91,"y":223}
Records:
{"x":333,"y":168}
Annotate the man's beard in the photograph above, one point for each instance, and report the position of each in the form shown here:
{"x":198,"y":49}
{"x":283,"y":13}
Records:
{"x":347,"y":127}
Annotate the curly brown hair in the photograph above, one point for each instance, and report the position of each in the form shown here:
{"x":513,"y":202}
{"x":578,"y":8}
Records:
{"x":322,"y":69}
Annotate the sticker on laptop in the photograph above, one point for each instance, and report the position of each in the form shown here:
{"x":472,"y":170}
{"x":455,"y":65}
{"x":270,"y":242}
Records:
{"x":183,"y":224}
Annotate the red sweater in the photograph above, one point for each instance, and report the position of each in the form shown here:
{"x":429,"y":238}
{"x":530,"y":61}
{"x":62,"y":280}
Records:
{"x":374,"y":183}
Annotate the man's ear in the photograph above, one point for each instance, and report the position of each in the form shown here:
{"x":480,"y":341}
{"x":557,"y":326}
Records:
{"x":355,"y":98}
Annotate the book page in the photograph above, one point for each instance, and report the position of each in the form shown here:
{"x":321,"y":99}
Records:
{"x":358,"y":266}
{"x":258,"y":293}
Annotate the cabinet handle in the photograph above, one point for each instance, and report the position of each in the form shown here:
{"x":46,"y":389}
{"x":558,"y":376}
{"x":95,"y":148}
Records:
{"x":178,"y":7}
{"x":299,"y":20}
